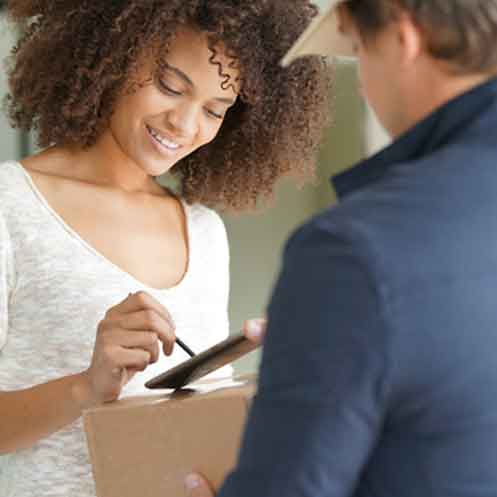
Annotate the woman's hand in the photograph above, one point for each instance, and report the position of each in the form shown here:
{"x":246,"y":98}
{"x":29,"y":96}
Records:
{"x":127,"y":342}
{"x":255,"y":329}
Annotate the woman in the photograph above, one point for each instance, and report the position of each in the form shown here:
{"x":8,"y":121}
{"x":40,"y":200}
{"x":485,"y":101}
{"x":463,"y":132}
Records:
{"x":99,"y":263}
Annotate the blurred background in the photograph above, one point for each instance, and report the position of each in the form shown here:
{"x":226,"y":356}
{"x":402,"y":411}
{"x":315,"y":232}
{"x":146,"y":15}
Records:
{"x":257,"y":240}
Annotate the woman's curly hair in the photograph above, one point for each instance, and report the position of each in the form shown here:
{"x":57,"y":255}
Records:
{"x":76,"y":57}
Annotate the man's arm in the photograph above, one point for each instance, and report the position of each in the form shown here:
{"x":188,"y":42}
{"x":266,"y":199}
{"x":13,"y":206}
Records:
{"x":322,"y":386}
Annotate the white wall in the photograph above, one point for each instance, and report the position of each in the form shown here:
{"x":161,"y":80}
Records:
{"x":375,"y":136}
{"x":322,"y":3}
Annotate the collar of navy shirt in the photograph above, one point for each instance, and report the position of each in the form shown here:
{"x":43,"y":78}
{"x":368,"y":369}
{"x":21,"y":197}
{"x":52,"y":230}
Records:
{"x":439,"y":128}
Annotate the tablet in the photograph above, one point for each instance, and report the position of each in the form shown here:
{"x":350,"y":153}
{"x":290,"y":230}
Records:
{"x":204,"y":363}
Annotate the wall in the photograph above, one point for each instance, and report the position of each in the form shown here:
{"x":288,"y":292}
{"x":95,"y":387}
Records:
{"x":10,"y":140}
{"x":256,"y":241}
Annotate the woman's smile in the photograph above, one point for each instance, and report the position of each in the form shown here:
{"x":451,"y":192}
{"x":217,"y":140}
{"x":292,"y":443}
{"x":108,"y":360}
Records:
{"x":162,"y":143}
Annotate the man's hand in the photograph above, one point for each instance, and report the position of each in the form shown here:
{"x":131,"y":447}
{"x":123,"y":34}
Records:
{"x":196,"y":486}
{"x":255,"y":329}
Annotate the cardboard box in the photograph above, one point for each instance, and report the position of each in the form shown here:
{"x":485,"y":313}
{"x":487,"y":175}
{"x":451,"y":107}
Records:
{"x":145,"y":446}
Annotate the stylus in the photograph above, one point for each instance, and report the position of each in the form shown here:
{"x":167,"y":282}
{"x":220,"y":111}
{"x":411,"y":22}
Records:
{"x":185,"y":347}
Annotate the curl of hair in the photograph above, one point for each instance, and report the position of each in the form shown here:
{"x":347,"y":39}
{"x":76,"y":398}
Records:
{"x":77,"y":57}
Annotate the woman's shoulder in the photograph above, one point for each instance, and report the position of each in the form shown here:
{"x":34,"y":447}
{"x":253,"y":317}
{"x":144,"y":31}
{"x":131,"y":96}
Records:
{"x":12,"y":183}
{"x":12,"y":197}
{"x":204,"y":216}
{"x":10,"y":171}
{"x":206,"y":224}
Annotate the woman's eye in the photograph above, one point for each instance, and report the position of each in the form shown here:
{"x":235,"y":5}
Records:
{"x":167,"y":89}
{"x":213,"y":114}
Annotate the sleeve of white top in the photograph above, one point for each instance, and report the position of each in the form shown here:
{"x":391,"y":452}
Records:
{"x":222,"y":256}
{"x":223,"y":267}
{"x":6,"y":279}
{"x":225,"y":282}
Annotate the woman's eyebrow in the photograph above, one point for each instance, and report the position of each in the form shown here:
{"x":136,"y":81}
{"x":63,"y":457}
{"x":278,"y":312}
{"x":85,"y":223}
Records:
{"x":189,"y":82}
{"x":180,"y":74}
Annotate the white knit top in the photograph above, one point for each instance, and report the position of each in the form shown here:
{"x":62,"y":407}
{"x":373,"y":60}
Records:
{"x":54,"y":289}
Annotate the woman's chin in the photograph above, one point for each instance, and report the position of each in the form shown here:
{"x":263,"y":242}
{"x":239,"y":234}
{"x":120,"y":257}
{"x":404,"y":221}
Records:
{"x":156,"y":168}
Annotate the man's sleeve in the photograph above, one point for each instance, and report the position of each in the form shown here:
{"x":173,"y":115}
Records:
{"x":323,"y":388}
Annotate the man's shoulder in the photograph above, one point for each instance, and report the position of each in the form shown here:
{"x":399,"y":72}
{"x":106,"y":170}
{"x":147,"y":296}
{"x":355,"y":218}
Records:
{"x":414,"y":218}
{"x":337,"y":231}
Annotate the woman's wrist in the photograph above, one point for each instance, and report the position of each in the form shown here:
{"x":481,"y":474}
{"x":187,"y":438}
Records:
{"x":82,"y":392}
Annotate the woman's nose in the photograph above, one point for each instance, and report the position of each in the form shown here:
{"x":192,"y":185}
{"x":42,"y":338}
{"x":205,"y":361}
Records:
{"x":183,"y":120}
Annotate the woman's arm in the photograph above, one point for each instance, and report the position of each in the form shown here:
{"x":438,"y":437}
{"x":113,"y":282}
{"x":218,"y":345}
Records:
{"x":35,"y":413}
{"x":127,"y":341}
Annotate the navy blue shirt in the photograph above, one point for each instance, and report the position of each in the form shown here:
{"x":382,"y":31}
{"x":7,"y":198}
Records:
{"x":379,"y":371}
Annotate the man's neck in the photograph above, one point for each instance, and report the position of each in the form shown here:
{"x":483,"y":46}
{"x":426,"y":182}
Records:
{"x":436,"y":90}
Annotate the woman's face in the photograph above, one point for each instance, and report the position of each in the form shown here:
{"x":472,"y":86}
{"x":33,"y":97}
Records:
{"x":177,"y":111}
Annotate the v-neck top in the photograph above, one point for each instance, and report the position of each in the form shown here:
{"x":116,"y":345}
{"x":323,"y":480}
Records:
{"x":54,"y":289}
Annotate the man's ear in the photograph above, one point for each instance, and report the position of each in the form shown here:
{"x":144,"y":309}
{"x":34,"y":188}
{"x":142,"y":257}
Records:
{"x":410,"y":39}
{"x":346,"y":24}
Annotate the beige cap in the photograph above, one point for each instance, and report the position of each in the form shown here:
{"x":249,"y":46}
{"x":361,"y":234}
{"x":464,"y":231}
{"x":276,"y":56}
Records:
{"x":322,"y":37}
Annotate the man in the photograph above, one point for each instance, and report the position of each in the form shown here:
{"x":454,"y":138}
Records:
{"x":379,"y":372}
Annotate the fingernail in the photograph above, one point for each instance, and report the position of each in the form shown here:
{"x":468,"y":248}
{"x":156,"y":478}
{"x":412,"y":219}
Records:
{"x":118,"y":372}
{"x":255,"y":328}
{"x":192,"y":482}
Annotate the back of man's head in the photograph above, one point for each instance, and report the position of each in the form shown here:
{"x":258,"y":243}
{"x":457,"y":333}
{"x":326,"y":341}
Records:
{"x":462,"y":33}
{"x":413,"y":55}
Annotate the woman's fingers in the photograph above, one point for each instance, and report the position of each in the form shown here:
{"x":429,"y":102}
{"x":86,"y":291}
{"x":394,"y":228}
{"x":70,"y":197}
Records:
{"x":141,"y":311}
{"x":150,"y":320}
{"x":132,"y":359}
{"x":137,"y":339}
{"x":140,"y":301}
{"x":128,"y":341}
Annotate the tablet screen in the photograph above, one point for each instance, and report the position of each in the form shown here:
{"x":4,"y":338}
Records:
{"x":204,"y":363}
